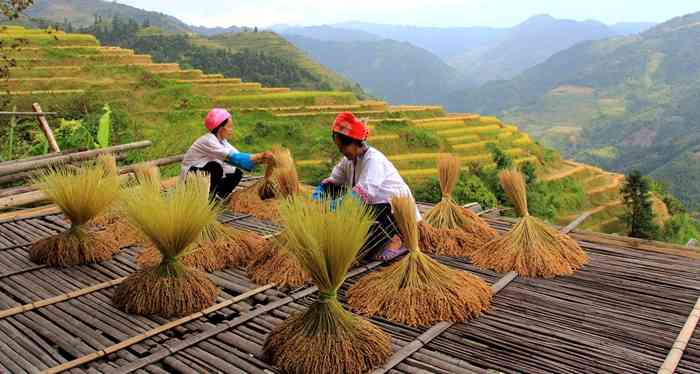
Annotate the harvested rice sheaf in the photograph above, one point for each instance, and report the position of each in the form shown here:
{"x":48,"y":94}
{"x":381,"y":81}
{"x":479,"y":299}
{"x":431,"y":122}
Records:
{"x":416,"y":290}
{"x":173,"y":222}
{"x":468,"y":231}
{"x":325,"y":338}
{"x":531,"y":248}
{"x":82,"y":194}
{"x":275,"y":264}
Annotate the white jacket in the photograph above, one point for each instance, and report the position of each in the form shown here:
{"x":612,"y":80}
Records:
{"x":205,"y":149}
{"x":372,"y":176}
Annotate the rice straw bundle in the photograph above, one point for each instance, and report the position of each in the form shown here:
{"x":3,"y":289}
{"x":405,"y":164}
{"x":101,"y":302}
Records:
{"x":416,"y":290}
{"x":275,"y":264}
{"x":263,"y":198}
{"x":173,"y":221}
{"x":114,"y":220}
{"x":531,"y":248}
{"x":447,"y":215}
{"x":282,"y":160}
{"x":218,"y":248}
{"x":326,"y":338}
{"x":81,"y":194}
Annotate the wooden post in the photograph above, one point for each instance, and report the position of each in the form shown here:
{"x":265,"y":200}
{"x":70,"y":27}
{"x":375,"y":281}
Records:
{"x":46,"y":128}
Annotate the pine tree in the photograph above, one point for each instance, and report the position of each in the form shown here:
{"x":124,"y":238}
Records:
{"x":638,"y":216}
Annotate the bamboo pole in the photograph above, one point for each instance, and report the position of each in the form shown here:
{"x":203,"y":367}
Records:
{"x":60,"y":298}
{"x":32,"y":165}
{"x":29,"y":174}
{"x":160,"y":329}
{"x":41,"y":157}
{"x":44,"y":124}
{"x":38,"y":196}
{"x":676,"y":353}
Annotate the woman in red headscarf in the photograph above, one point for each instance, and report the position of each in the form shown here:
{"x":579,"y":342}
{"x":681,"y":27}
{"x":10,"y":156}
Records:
{"x":211,"y":153}
{"x":371,"y":177}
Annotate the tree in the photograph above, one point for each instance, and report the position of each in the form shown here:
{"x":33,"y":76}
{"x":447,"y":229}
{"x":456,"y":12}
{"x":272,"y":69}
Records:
{"x":638,"y":216}
{"x":528,"y":170}
{"x":502,"y":160}
{"x":11,"y":9}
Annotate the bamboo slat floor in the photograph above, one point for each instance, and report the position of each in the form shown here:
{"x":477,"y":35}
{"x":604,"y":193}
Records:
{"x":620,"y":313}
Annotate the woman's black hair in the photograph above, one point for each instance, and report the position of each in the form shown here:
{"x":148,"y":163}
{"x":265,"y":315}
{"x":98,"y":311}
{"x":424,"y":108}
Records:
{"x":346,"y":140}
{"x":216,"y":129}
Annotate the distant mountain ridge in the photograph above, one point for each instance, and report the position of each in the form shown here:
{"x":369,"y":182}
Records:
{"x":622,"y":103}
{"x":395,"y":71}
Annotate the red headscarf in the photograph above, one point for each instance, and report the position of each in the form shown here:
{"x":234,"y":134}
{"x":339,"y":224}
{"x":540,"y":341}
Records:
{"x":346,"y":123}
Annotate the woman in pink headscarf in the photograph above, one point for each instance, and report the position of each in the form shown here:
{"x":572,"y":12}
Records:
{"x":213,"y":154}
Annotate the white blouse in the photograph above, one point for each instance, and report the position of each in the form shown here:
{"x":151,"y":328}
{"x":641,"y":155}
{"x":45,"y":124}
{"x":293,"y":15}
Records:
{"x":372,"y":176}
{"x":205,"y":149}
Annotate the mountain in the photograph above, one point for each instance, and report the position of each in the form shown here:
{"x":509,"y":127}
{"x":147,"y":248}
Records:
{"x":83,"y":12}
{"x":211,"y":31}
{"x":272,"y":44}
{"x":484,"y":54}
{"x":622,"y":103}
{"x":445,"y":42}
{"x":395,"y":71}
{"x":631,"y":28}
{"x":526,"y":45}
{"x":327,"y":33}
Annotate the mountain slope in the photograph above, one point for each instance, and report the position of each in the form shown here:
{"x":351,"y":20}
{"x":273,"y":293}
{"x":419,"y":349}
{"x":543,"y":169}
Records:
{"x":82,"y":13}
{"x":484,"y":54}
{"x":398,"y":72}
{"x":624,"y":102}
{"x":528,"y":44}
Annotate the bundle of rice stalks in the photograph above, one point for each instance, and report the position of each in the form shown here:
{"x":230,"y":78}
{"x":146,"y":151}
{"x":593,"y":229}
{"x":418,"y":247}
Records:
{"x":467,"y":229}
{"x":173,"y":221}
{"x":217,"y":248}
{"x":262,"y":200}
{"x":416,"y":290}
{"x":81,"y":194}
{"x":114,"y":220}
{"x":531,"y":248}
{"x":275,"y":264}
{"x":282,"y":160}
{"x":326,"y":338}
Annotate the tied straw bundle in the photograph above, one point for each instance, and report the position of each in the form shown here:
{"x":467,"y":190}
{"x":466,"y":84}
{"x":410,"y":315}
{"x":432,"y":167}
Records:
{"x":114,"y":219}
{"x":326,"y":338}
{"x":531,"y":248}
{"x":274,"y":264}
{"x":82,"y":194}
{"x":172,"y":221}
{"x":262,"y":199}
{"x":217,"y":248}
{"x":449,"y":220}
{"x":416,"y":290}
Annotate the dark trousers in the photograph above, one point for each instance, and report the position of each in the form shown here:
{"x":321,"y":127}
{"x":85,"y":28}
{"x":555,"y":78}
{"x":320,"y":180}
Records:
{"x":381,"y":231}
{"x":221,"y":185}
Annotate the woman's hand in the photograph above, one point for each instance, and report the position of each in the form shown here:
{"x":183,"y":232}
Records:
{"x":263,"y":157}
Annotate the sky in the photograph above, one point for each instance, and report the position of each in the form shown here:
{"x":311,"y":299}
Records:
{"x":441,"y":13}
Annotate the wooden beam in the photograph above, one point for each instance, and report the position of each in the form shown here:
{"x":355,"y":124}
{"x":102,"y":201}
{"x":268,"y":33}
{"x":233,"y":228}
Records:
{"x":44,"y":124}
{"x":28,"y":114}
{"x":678,"y":348}
{"x":32,"y":165}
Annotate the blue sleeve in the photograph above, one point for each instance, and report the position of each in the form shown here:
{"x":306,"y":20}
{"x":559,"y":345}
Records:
{"x":318,"y":193}
{"x":241,"y":160}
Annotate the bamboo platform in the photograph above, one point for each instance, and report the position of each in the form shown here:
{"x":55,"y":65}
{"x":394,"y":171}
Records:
{"x":620,"y":314}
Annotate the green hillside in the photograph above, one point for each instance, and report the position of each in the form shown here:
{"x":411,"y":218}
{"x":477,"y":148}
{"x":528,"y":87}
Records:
{"x":621,"y":103}
{"x":251,"y":56}
{"x":395,"y":71}
{"x":82,"y":13}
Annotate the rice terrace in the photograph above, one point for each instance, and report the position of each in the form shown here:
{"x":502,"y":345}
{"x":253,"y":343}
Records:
{"x":121,"y":252}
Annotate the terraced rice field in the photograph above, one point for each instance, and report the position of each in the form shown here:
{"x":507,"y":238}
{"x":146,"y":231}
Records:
{"x":58,"y":65}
